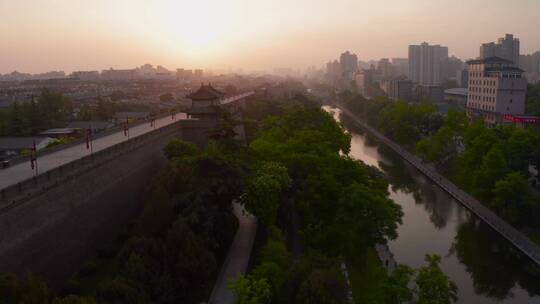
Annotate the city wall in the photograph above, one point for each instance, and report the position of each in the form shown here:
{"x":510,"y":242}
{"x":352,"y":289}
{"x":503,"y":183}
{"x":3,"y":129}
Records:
{"x":52,"y":223}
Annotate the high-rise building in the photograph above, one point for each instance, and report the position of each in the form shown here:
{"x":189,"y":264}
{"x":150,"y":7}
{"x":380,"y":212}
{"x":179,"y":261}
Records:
{"x":530,"y":63}
{"x":496,"y":88}
{"x":450,"y":67}
{"x":462,"y":78}
{"x":506,"y":48}
{"x":398,"y":89}
{"x":425,"y":63}
{"x":349,"y":65}
{"x":384,"y":68}
{"x":334,"y":72}
{"x":364,"y":80}
{"x":401,"y":66}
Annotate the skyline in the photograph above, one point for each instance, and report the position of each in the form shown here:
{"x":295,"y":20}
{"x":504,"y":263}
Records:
{"x":77,"y":35}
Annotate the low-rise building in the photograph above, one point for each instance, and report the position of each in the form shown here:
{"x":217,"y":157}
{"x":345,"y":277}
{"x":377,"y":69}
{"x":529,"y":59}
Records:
{"x":398,"y":89}
{"x":11,"y":147}
{"x":95,"y":126}
{"x":456,"y":97}
{"x":433,"y":93}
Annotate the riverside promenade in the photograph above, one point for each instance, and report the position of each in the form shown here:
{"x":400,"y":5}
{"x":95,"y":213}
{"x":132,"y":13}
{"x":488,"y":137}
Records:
{"x":514,"y":236}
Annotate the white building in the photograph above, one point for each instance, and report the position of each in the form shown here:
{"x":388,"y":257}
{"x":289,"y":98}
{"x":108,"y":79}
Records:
{"x":496,"y":87}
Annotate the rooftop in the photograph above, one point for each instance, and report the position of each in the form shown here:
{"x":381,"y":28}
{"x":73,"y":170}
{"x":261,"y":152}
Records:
{"x":206,"y":92}
{"x":489,"y":60}
{"x":89,"y":124}
{"x":457,"y":91}
{"x":506,"y":69}
{"x":124,"y":115}
{"x":19,"y":143}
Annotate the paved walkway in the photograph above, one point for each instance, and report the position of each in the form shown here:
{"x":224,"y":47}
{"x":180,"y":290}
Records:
{"x":238,"y":257}
{"x":514,"y":236}
{"x":22,"y":171}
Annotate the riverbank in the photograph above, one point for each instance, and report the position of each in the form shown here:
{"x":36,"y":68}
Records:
{"x":511,"y":234}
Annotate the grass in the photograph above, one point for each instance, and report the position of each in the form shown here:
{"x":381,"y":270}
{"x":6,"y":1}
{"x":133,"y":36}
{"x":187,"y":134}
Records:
{"x":367,"y":280}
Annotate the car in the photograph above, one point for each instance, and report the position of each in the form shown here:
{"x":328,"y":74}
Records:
{"x":4,"y":164}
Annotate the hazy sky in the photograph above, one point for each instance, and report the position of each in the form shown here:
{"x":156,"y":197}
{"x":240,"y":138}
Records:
{"x":42,"y":35}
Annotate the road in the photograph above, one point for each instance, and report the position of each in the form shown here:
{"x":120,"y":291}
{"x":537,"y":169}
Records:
{"x":22,"y":171}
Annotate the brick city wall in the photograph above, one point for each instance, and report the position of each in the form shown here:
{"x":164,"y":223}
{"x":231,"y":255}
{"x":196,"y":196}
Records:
{"x":51,"y":224}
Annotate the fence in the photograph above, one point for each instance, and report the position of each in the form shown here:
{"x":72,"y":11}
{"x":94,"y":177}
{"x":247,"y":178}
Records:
{"x":511,"y":234}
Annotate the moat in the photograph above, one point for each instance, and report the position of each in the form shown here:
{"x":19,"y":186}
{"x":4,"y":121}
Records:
{"x":485,"y":267}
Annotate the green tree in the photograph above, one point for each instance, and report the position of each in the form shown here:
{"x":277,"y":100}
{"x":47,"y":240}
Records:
{"x":167,"y":97}
{"x":179,"y":148}
{"x":323,"y":287}
{"x":248,"y":290}
{"x":264,"y":190}
{"x":365,"y":216}
{"x":511,"y":195}
{"x":433,"y":286}
{"x":396,"y":286}
{"x":493,"y":168}
{"x":272,"y":272}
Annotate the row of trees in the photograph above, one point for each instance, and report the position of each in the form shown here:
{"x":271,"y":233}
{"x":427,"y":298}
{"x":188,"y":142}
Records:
{"x":533,"y":99}
{"x":490,"y":163}
{"x":104,"y":110}
{"x":54,"y":110}
{"x":49,"y":110}
{"x":337,"y":207}
{"x":403,"y":122}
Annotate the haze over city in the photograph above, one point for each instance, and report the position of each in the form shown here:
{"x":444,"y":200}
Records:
{"x":252,"y":35}
{"x":269,"y":151}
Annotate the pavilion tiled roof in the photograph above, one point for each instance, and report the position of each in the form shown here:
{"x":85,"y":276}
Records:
{"x":206,"y":92}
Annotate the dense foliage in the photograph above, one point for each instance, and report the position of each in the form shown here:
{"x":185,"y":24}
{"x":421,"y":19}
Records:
{"x":492,"y":164}
{"x":533,"y":99}
{"x":403,"y":122}
{"x":173,"y":251}
{"x":317,"y":208}
{"x":337,"y":207}
{"x":49,"y":110}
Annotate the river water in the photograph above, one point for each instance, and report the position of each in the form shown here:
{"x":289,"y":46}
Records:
{"x":484,"y":266}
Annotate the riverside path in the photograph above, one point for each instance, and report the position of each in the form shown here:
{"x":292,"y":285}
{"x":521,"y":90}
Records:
{"x":511,"y":234}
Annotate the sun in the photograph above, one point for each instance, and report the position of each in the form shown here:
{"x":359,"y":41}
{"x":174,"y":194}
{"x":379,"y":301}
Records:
{"x":196,"y":26}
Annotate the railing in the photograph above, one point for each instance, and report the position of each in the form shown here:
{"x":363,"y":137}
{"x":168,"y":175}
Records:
{"x":235,"y":98}
{"x":82,"y":140}
{"x":514,"y":236}
{"x":18,"y":193}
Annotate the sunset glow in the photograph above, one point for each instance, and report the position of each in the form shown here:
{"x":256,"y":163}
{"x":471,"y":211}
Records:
{"x":261,"y":34}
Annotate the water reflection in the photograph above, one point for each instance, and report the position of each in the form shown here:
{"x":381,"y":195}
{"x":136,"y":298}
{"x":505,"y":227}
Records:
{"x":495,"y":267}
{"x":486,"y":268}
